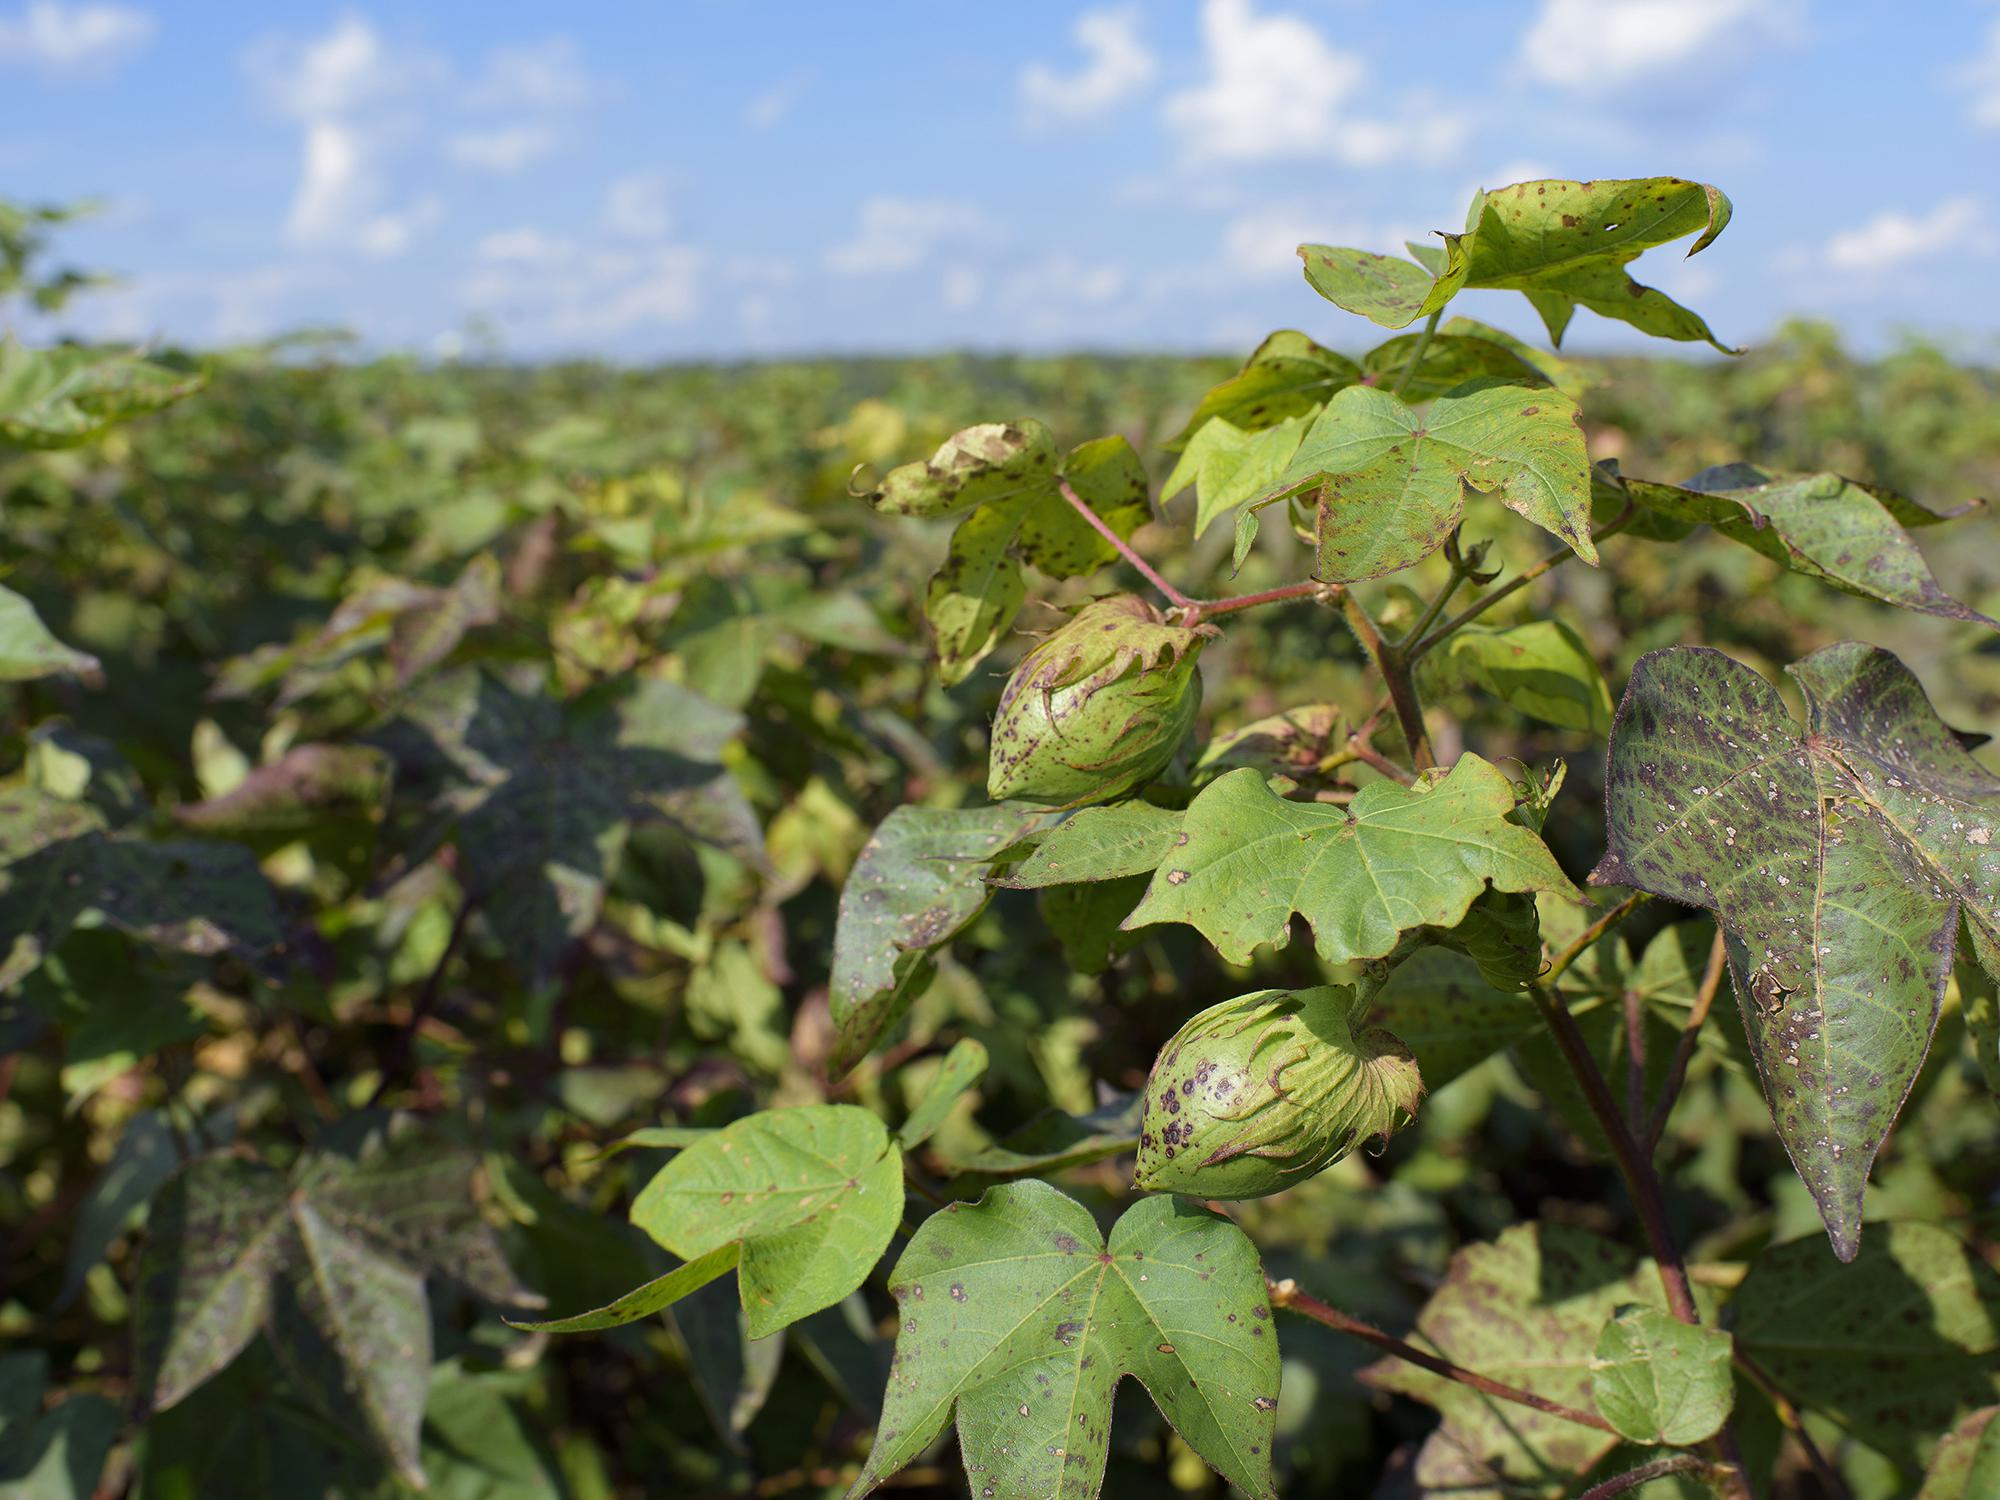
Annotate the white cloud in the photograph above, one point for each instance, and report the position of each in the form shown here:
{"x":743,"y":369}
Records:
{"x":1118,"y":65}
{"x":503,"y":150}
{"x":1982,"y":79}
{"x":962,"y":287}
{"x":561,"y":295}
{"x":1276,"y":88}
{"x":896,"y":234}
{"x":58,"y":38}
{"x":1893,"y":238}
{"x":547,"y":75}
{"x":1592,"y":45}
{"x":638,"y":207}
{"x":525,"y":246}
{"x":767,"y":110}
{"x":1263,"y":242}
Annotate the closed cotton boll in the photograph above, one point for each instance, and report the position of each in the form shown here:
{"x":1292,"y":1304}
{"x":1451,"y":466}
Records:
{"x":1098,"y":708}
{"x":1259,"y":1093}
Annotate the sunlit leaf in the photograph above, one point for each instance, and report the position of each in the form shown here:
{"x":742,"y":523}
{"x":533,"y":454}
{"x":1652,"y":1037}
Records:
{"x":1659,"y":1380}
{"x":1288,"y":375}
{"x":1383,"y":288}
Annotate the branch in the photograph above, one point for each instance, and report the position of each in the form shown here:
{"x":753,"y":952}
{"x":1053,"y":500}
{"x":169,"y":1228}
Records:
{"x":1124,"y":548}
{"x":1286,"y":1294}
{"x":1704,"y":999}
{"x":1631,"y":1479}
{"x":1201,"y":609}
{"x":1788,"y":1416}
{"x":1473,"y":611}
{"x":1417,"y":354}
{"x":404,"y":1045}
{"x":1395,"y":672}
{"x":1576,"y":947}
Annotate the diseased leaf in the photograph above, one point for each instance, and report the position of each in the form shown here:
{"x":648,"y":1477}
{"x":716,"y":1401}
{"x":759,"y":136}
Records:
{"x":1288,"y":375}
{"x":1526,"y":1309}
{"x":1542,"y":668}
{"x":1450,"y":359}
{"x":1287,"y":747}
{"x":1097,"y":843}
{"x":1838,"y":860}
{"x":1382,"y":288}
{"x":1390,"y":482}
{"x":1845,"y":534}
{"x":1659,"y":1380}
{"x":1017,"y":1315}
{"x":1966,"y":1464}
{"x":1393,"y":859}
{"x":1895,"y":1347}
{"x":961,"y":1069}
{"x":1446,"y":1013}
{"x":540,"y":795}
{"x":29,"y":650}
{"x":1006,"y":474}
{"x":1566,"y":244}
{"x":294,"y":792}
{"x":916,"y":883}
{"x":144,"y":1158}
{"x":1054,"y":1141}
{"x":58,"y":398}
{"x":811,"y":1195}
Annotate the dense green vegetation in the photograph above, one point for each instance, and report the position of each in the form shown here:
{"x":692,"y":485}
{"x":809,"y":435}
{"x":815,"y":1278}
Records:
{"x":432,"y":793}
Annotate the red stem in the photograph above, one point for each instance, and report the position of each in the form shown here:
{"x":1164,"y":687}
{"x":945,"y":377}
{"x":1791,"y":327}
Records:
{"x":1203,"y":608}
{"x":1124,"y":548}
{"x":1704,"y":998}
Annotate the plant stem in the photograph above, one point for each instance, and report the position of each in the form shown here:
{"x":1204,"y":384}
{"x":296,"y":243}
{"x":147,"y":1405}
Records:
{"x":1431,"y":611}
{"x":1201,"y":609}
{"x":1631,"y":1479}
{"x":404,"y":1046}
{"x":1577,"y":946}
{"x":1395,"y":672}
{"x":1286,"y":1294}
{"x":1124,"y":548}
{"x":1554,"y":560}
{"x":1788,"y":1416}
{"x":1417,"y":354}
{"x":1635,"y":1063}
{"x":1704,"y":999}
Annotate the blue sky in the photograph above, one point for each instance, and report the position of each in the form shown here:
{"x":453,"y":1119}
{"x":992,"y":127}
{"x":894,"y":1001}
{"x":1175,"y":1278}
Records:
{"x":696,"y":177}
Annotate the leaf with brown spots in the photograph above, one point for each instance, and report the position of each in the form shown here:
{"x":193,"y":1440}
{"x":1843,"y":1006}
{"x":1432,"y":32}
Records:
{"x":1384,"y":289}
{"x":1390,"y":482}
{"x":1837,"y":858}
{"x":1288,"y":375}
{"x":1393,"y":860}
{"x":811,"y":1195}
{"x":1895,"y":1347}
{"x":1566,"y":244}
{"x":1526,"y":1309}
{"x":1016,"y":1314}
{"x":1003,"y":477}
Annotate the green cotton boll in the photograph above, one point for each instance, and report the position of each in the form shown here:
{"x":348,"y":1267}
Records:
{"x":1259,"y":1093}
{"x":1098,"y":708}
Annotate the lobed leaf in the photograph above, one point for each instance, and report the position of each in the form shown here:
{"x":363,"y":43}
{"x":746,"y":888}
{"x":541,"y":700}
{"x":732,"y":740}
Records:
{"x":1288,"y":375}
{"x":1384,"y":288}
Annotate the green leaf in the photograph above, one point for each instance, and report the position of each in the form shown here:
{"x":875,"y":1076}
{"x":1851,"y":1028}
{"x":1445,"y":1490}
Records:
{"x":28,"y":650}
{"x":144,"y":1158}
{"x":1526,"y":1309}
{"x":1566,"y":244}
{"x":1393,"y":859}
{"x":58,"y":398}
{"x":811,"y":1195}
{"x":1822,"y":525}
{"x":1837,"y":859}
{"x":1288,"y":747}
{"x":1659,"y":1380}
{"x":295,"y":792}
{"x":642,"y":1302}
{"x":1383,"y":288}
{"x":1098,"y":843}
{"x":1390,"y":482}
{"x":1229,"y":466}
{"x":1895,"y":1347}
{"x":1054,"y":1141}
{"x":1979,"y":998}
{"x":1016,"y":1314}
{"x":1288,"y":375}
{"x":56,"y":864}
{"x":1542,"y":668}
{"x":1966,"y":1464}
{"x":540,"y":795}
{"x":1007,"y":476}
{"x":914,"y":886}
{"x":961,"y":1069}
{"x":57,"y":1455}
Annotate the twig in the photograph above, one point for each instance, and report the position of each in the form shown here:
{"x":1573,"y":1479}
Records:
{"x":1417,"y":354}
{"x":404,"y":1045}
{"x":1124,"y":548}
{"x":1635,"y":1062}
{"x":1395,"y":673}
{"x":1704,"y":999}
{"x":1789,"y":1418}
{"x":1201,"y":609}
{"x":1631,"y":1479}
{"x":1431,"y":611}
{"x":1574,"y":949}
{"x":1554,"y":560}
{"x":1286,"y":1294}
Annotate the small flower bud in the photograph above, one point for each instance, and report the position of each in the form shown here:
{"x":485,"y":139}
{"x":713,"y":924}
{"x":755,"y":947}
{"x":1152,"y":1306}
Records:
{"x":1098,"y":708}
{"x":1259,"y":1093}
